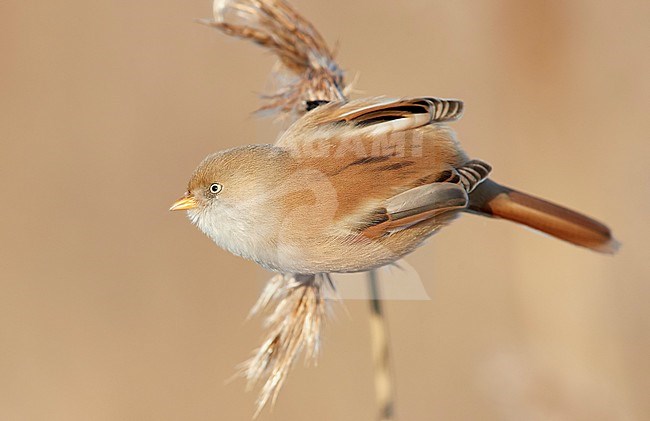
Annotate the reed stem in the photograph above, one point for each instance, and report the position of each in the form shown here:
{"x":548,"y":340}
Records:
{"x":380,"y":343}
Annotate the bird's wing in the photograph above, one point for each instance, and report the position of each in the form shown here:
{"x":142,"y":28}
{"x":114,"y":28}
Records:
{"x":424,"y":202}
{"x":471,"y":174}
{"x":374,"y":116}
{"x":381,"y":110}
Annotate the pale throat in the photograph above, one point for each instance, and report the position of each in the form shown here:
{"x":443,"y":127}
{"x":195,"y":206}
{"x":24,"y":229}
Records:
{"x":240,"y":231}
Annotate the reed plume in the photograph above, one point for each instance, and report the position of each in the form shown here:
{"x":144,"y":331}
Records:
{"x":307,"y":70}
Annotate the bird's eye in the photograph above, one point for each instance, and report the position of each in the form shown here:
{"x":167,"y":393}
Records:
{"x":215,"y":188}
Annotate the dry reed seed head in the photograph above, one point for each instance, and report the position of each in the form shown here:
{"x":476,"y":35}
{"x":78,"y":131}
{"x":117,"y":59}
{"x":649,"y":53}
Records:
{"x":295,"y":309}
{"x":276,"y":26}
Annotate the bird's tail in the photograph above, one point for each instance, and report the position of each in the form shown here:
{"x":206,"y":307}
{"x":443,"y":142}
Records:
{"x":492,"y":199}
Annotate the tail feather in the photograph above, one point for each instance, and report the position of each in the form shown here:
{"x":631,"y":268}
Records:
{"x":492,"y":199}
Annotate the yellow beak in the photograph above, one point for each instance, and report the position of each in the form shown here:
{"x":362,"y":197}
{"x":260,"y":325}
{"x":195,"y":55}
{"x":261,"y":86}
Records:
{"x":186,"y":202}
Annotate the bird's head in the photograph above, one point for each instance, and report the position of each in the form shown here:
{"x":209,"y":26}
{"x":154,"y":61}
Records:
{"x":228,"y":196}
{"x":231,"y":179}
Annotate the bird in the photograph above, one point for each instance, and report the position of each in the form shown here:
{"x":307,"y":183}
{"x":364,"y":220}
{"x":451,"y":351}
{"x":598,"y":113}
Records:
{"x":355,"y":185}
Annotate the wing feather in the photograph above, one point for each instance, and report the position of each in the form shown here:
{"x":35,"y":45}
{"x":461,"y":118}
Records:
{"x":377,"y":111}
{"x":424,"y":202}
{"x":374,"y":116}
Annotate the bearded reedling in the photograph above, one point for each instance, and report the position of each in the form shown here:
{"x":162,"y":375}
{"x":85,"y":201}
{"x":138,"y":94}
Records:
{"x":352,"y":186}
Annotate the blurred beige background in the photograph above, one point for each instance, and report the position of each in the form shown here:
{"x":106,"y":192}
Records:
{"x":112,"y":308}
